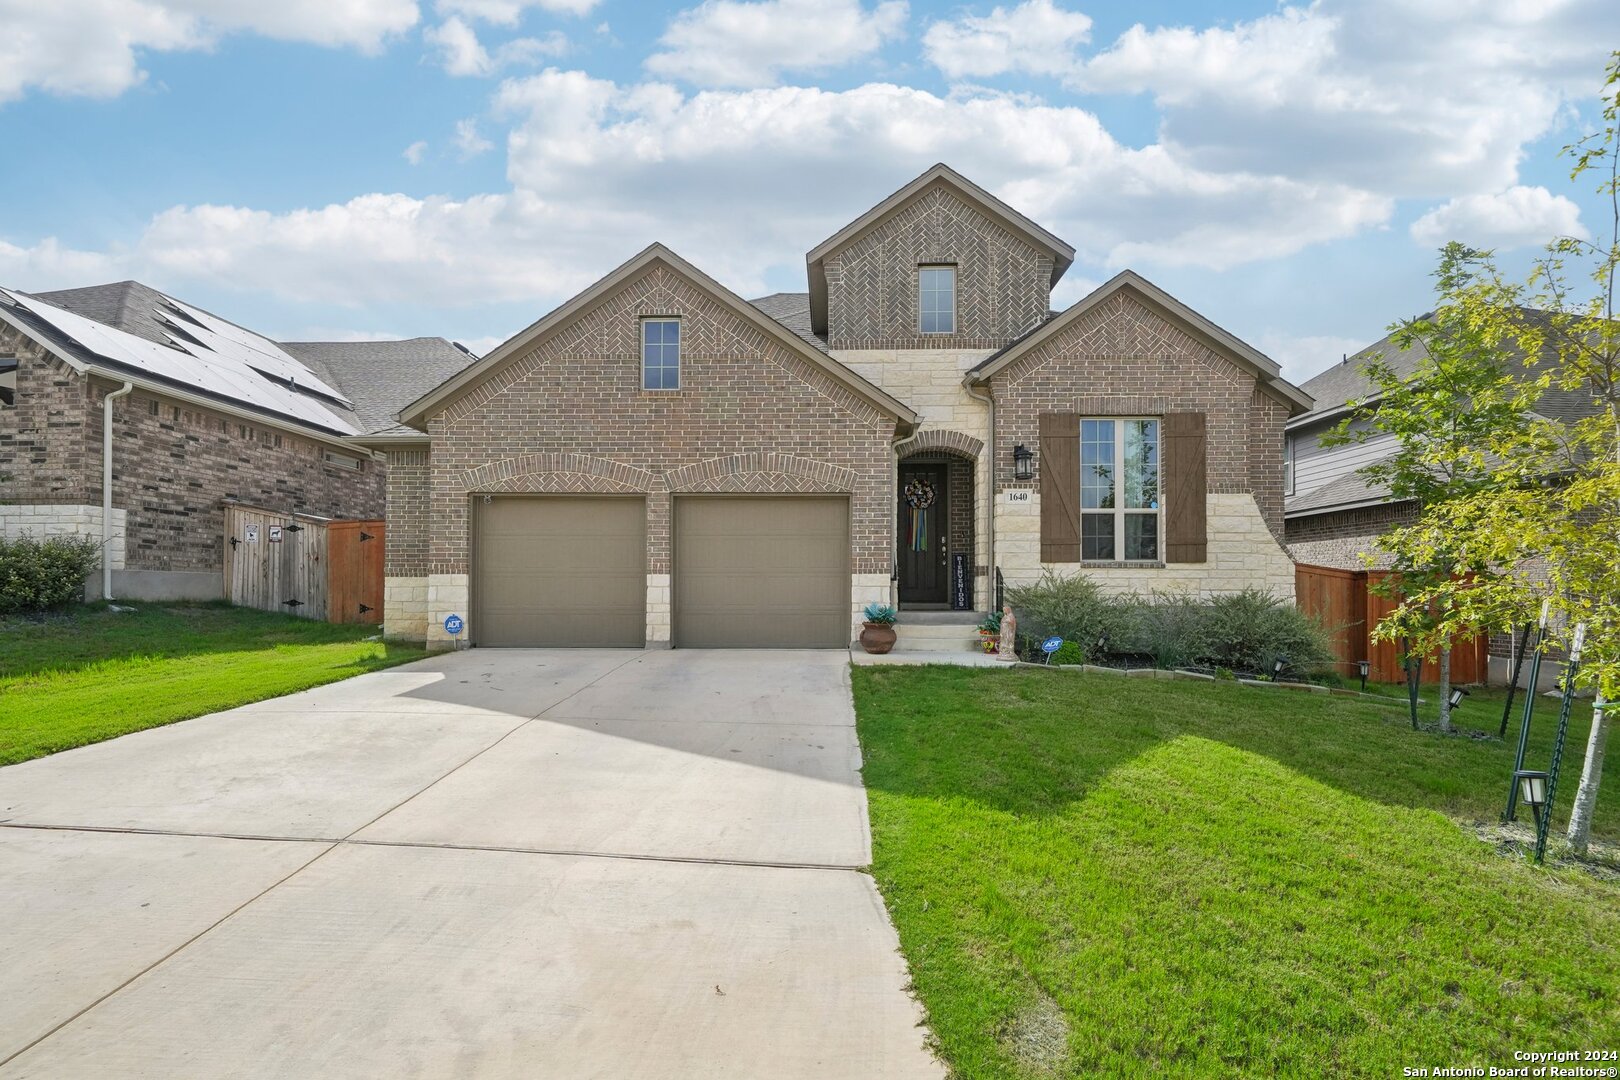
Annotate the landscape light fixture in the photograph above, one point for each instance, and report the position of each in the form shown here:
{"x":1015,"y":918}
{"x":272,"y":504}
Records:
{"x":1532,"y":790}
{"x":1023,"y":463}
{"x":1457,"y":695}
{"x":1366,"y":669}
{"x":1277,"y":668}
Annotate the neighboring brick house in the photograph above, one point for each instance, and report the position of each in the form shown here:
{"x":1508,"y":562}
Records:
{"x":659,"y":462}
{"x":213,"y":412}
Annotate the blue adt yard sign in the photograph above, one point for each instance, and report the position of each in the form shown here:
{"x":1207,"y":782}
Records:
{"x":453,"y":625}
{"x":1051,"y":645}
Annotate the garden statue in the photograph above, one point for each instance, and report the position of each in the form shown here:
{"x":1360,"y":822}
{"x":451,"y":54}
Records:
{"x":1007,"y":647}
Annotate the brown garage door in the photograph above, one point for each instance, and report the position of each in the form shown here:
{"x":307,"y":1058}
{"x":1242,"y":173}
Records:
{"x":560,"y":571}
{"x":763,"y":572}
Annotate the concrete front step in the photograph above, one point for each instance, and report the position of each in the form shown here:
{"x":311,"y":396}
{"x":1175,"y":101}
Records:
{"x":923,"y":637}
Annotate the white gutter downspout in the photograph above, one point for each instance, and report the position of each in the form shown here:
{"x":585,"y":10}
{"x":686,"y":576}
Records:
{"x":990,"y":501}
{"x":106,"y":486}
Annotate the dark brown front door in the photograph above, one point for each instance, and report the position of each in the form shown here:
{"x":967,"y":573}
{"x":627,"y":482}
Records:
{"x":924,"y":573}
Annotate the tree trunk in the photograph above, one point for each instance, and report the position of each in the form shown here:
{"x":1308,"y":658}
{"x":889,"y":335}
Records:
{"x":1580,"y":815}
{"x":1445,"y":687}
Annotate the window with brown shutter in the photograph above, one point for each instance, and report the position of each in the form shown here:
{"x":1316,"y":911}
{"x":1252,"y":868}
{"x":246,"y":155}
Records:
{"x":1186,"y":487}
{"x":1060,"y":487}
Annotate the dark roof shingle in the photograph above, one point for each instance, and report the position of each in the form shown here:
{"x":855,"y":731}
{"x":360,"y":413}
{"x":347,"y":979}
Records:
{"x":382,"y":377}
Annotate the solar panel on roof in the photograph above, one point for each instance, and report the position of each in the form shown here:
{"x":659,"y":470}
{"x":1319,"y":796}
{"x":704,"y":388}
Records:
{"x":256,"y":352}
{"x":211,"y":371}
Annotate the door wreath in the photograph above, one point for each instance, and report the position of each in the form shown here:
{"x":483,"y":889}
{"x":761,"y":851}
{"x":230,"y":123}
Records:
{"x":920,"y":497}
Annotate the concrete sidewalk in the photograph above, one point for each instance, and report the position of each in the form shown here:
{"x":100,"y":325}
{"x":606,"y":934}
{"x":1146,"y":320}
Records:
{"x":492,"y":863}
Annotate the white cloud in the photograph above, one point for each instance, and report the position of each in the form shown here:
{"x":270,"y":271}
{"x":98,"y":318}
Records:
{"x":1035,"y":36}
{"x":469,"y":141}
{"x":461,"y":53}
{"x":413,"y":153}
{"x":1417,"y":98}
{"x":1517,"y":217}
{"x":753,"y":42}
{"x":508,"y":12}
{"x":49,"y":265}
{"x":92,"y":47}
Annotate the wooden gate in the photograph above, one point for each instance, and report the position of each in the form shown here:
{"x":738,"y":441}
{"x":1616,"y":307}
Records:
{"x":304,"y":565}
{"x":1343,"y":602}
{"x":354,"y":571}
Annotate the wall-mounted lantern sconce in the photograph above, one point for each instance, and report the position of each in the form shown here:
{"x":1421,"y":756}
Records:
{"x":1023,"y":463}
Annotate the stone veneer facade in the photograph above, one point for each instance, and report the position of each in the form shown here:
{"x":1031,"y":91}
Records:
{"x":173,"y":465}
{"x":752,"y":415}
{"x":1123,"y":358}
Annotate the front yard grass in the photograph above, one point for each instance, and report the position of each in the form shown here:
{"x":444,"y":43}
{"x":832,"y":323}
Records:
{"x":68,"y":680}
{"x":1095,"y":876}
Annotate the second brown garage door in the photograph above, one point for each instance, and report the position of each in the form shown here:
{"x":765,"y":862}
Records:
{"x":567,"y":571}
{"x":762,"y":572}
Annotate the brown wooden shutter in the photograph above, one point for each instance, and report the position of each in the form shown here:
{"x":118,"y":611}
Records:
{"x":1186,"y":528}
{"x":1060,"y":487}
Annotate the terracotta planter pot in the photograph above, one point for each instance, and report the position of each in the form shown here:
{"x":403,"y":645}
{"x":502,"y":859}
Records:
{"x":877,"y":638}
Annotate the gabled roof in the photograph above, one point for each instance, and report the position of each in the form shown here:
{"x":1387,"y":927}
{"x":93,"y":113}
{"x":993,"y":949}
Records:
{"x":1265,"y":369}
{"x":381,"y":377}
{"x":415,"y":414}
{"x":1347,"y":382}
{"x":213,"y":361}
{"x":815,"y":261}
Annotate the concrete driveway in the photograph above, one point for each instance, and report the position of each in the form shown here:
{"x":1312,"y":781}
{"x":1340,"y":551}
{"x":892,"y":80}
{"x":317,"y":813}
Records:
{"x":493,"y":863}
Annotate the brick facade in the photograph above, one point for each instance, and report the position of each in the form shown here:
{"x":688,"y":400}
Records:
{"x":43,"y":452}
{"x":1003,"y":283}
{"x":174,"y":463}
{"x":752,"y":415}
{"x":1341,"y":538}
{"x":1122,"y":358}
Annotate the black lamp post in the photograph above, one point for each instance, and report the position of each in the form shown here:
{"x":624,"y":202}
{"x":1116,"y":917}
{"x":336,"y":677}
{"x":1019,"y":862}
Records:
{"x":1023,"y":462}
{"x":1366,"y":669}
{"x":1457,"y":694}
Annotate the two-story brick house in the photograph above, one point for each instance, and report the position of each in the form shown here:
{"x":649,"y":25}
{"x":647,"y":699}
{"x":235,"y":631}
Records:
{"x":659,"y":461}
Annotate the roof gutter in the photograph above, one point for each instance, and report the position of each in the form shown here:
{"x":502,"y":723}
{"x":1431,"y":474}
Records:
{"x":106,"y":485}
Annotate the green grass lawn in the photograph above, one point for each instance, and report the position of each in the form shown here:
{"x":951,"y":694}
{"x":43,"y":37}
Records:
{"x":67,"y":680}
{"x":1099,"y":876}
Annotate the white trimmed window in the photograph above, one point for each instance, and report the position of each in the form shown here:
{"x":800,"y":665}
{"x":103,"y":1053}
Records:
{"x":660,"y":354}
{"x":1119,"y":490}
{"x":936,"y":299}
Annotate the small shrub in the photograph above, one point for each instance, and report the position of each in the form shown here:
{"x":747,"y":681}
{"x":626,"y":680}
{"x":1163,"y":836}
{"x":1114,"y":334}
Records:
{"x":42,"y":575}
{"x":1252,"y":630}
{"x":1074,"y":609}
{"x":880,"y":613}
{"x":1172,"y":628}
{"x":1069,"y":653}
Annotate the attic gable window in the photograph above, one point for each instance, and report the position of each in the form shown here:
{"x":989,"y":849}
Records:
{"x":660,"y":354}
{"x":936,"y":299}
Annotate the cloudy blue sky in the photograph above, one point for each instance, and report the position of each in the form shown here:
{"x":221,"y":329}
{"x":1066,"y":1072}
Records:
{"x":361,"y":168}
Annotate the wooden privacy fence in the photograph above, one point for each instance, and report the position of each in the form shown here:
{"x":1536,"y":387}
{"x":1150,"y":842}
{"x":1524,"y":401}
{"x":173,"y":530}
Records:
{"x":1343,"y":601}
{"x":313,"y":567}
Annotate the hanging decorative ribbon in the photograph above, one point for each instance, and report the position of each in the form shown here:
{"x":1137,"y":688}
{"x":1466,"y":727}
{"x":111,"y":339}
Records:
{"x":920,"y":496}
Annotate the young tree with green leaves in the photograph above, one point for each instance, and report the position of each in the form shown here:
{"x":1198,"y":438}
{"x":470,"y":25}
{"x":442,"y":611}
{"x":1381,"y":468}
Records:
{"x":1548,"y":525}
{"x":1441,"y":417}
